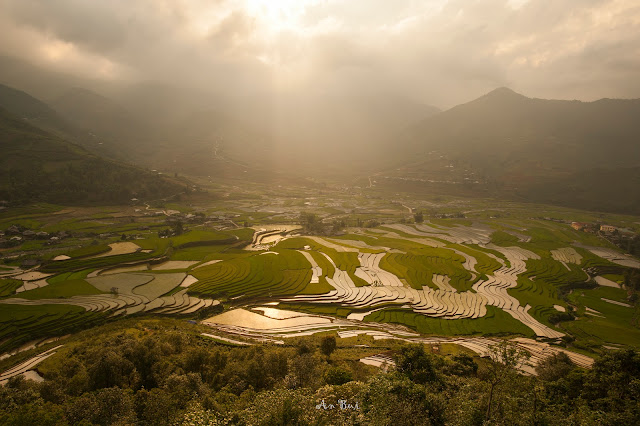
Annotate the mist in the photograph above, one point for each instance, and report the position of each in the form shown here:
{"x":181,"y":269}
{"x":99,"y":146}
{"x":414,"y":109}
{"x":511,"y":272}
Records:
{"x":307,"y":81}
{"x":435,"y":52}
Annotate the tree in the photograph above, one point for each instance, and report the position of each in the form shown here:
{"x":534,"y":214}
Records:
{"x":415,"y":363}
{"x":614,"y":378}
{"x":337,"y":376}
{"x":338,"y":226}
{"x":310,"y":222}
{"x":328,"y":345}
{"x":178,"y":227}
{"x":506,"y":358}
{"x":462,"y":365}
{"x":418,"y":217}
{"x":554,"y":367}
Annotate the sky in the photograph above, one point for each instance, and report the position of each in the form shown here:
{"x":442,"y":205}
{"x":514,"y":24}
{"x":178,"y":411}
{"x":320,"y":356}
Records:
{"x":439,"y":52}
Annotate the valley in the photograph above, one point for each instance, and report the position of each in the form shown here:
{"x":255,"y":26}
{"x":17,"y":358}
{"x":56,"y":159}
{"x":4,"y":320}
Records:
{"x":177,"y":256}
{"x":499,"y":271}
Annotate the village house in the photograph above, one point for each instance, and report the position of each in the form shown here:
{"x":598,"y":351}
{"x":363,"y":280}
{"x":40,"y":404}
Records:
{"x":13,"y":230}
{"x":607,"y":228}
{"x":29,"y":234}
{"x":578,"y":226}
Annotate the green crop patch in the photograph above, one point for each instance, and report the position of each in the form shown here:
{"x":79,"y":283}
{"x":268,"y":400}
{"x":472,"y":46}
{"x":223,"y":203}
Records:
{"x":603,"y":321}
{"x":486,"y":264}
{"x":418,"y":270}
{"x":68,"y":276}
{"x":345,"y":261}
{"x":203,"y":253}
{"x":91,"y":250}
{"x":285,"y":273}
{"x":495,"y":323}
{"x":95,"y":263}
{"x":8,"y":287}
{"x":23,"y":323}
{"x":198,"y":237}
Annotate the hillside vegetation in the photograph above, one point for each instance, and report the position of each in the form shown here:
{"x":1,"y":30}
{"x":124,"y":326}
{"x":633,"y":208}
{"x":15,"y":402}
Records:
{"x":36,"y":165}
{"x":164,"y":373}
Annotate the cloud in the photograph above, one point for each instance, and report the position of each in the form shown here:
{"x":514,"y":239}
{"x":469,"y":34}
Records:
{"x":440,"y":52}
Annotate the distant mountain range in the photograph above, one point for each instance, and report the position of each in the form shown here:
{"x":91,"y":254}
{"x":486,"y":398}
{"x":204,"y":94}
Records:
{"x":178,"y":128}
{"x":503,"y":128}
{"x":580,"y":154}
{"x":503,"y":144}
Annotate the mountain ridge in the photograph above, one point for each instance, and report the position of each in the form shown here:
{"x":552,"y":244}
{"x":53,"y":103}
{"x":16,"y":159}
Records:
{"x":36,"y":165}
{"x":520,"y":145}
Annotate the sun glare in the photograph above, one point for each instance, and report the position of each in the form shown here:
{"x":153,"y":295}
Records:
{"x":279,"y":15}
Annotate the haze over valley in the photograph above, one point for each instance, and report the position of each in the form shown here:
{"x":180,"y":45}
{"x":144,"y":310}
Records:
{"x":319,"y":212}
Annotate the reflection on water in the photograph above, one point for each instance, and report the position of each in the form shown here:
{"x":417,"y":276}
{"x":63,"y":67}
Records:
{"x":248,"y":319}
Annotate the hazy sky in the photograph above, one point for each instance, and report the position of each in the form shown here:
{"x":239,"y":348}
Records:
{"x":436,"y":51}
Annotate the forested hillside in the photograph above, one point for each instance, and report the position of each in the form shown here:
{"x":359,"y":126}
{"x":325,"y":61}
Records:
{"x":38,"y":166}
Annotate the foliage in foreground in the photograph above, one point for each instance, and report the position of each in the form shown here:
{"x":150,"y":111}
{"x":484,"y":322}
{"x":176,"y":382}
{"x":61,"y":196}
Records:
{"x":161,"y":377}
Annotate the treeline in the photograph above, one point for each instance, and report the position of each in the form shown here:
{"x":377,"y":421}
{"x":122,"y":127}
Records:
{"x":314,"y":225}
{"x":152,"y":376}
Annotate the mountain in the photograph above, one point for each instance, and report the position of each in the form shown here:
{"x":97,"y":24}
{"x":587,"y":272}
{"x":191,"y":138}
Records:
{"x":33,"y":111}
{"x":36,"y":165}
{"x":112,"y":129}
{"x":45,"y":82}
{"x":532,"y":149}
{"x":66,"y":126}
{"x":508,"y":127}
{"x":175,"y":127}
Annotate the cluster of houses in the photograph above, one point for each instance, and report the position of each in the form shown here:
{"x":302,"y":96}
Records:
{"x":449,"y":215}
{"x":16,"y":234}
{"x":594,"y":228}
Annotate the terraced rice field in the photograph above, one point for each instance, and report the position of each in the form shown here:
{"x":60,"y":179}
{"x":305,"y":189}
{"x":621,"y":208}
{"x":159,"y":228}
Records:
{"x":478,"y":234}
{"x":117,"y":294}
{"x":606,"y":282}
{"x":255,"y":321}
{"x":614,"y":256}
{"x":173,"y":264}
{"x":445,"y":280}
{"x":268,"y":235}
{"x":21,"y":323}
{"x":289,"y":272}
{"x":274,"y":325}
{"x":23,"y":368}
{"x":566,"y":255}
{"x":440,"y":299}
{"x":450,"y":274}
